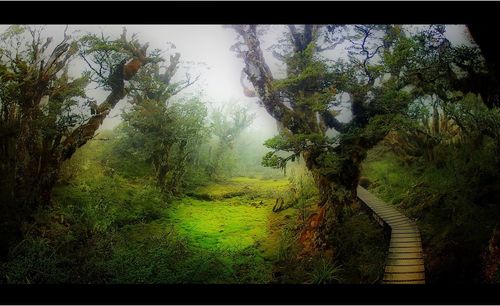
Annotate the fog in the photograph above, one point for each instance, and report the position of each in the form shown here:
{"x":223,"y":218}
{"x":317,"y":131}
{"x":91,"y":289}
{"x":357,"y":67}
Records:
{"x":205,"y":52}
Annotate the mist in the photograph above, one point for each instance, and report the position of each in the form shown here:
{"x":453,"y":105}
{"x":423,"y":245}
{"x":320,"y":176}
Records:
{"x":264,"y":154}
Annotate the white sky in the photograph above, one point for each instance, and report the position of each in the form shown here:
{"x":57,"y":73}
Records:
{"x":208,"y":44}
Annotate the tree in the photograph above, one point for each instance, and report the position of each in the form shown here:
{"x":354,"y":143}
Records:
{"x":164,"y":132}
{"x":39,"y":122}
{"x":227,"y":125}
{"x":381,"y":79}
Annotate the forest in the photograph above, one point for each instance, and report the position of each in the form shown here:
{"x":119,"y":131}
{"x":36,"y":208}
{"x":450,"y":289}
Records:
{"x":249,"y":154}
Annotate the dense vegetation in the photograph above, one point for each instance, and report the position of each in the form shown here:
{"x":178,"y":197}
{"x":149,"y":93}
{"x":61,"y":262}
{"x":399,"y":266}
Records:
{"x":185,"y":191}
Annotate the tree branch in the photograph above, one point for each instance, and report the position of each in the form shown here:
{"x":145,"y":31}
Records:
{"x":260,"y":76}
{"x":333,"y":122}
{"x":86,"y":131}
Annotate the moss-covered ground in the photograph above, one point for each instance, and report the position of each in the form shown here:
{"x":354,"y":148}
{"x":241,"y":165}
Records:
{"x":226,"y":230}
{"x":107,"y":225}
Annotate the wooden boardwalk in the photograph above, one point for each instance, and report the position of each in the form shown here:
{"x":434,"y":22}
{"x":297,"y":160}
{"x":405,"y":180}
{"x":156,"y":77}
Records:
{"x":405,"y":262}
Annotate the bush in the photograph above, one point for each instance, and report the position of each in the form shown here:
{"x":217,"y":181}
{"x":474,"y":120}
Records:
{"x":34,"y":261}
{"x":361,"y":250}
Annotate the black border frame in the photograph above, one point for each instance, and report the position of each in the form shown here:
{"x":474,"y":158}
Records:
{"x":278,"y":12}
{"x":234,"y":12}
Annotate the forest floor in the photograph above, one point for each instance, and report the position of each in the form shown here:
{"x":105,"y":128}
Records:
{"x":228,"y":231}
{"x":234,"y":219}
{"x":108,"y":223}
{"x":223,"y":232}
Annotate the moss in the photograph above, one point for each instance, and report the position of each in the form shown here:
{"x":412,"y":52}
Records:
{"x":217,"y":225}
{"x":236,"y":219}
{"x":243,"y":186}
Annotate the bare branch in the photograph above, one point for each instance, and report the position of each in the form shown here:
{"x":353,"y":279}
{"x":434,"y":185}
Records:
{"x":259,"y":74}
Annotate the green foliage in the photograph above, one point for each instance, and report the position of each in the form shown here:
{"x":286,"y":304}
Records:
{"x":296,"y":144}
{"x":100,"y":197}
{"x":309,"y":80}
{"x":104,"y":53}
{"x":107,"y":228}
{"x":36,"y":261}
{"x":447,"y":199}
{"x":325,"y":272}
{"x":287,"y":246}
{"x":361,"y":250}
{"x":166,"y":135}
{"x":391,"y":184}
{"x":227,"y":125}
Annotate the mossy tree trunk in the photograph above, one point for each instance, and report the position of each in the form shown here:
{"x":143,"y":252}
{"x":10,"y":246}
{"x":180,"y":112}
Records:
{"x":300,"y":103}
{"x":32,"y":153}
{"x":338,"y":187}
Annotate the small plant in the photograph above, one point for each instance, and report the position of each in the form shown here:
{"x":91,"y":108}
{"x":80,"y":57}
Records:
{"x":285,"y":246}
{"x":325,"y":272}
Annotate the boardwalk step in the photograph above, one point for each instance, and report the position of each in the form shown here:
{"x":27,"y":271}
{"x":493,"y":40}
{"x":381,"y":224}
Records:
{"x":415,"y":255}
{"x":404,"y":262}
{"x":406,"y":231}
{"x":403,"y":235}
{"x":403,"y":282}
{"x":404,"y":249}
{"x":418,"y":276}
{"x":386,"y":210}
{"x":405,"y":244}
{"x":402,"y":269}
{"x":401,"y":222}
{"x":405,"y":239}
{"x":404,"y":224}
{"x":386,"y":218}
{"x":397,"y":219}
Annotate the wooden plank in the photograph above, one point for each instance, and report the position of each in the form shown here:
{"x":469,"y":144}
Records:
{"x":390,"y":215}
{"x":397,"y":231}
{"x":422,"y":282}
{"x":405,"y":231}
{"x":410,"y":235}
{"x":405,"y":255}
{"x":405,"y":236}
{"x":398,"y":227}
{"x":404,"y":222}
{"x":400,"y":269}
{"x":405,"y":240}
{"x":386,"y":210}
{"x":404,"y":262}
{"x":405,"y":244}
{"x":402,"y":227}
{"x":397,"y":218}
{"x":399,"y":235}
{"x":405,"y":250}
{"x":404,"y":276}
{"x":400,"y":221}
{"x":399,"y":224}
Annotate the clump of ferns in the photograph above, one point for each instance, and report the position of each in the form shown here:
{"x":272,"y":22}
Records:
{"x":324,"y":271}
{"x":421,"y":140}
